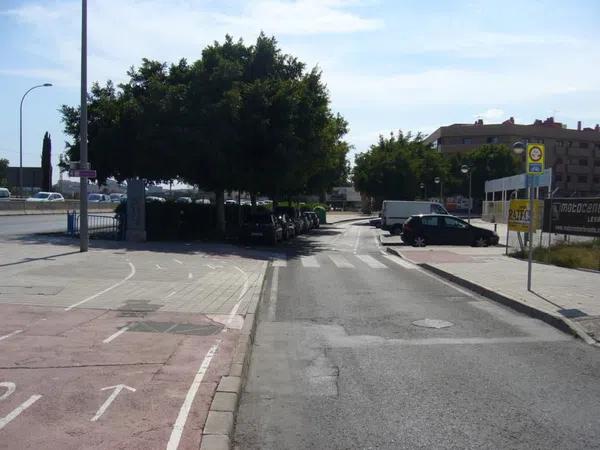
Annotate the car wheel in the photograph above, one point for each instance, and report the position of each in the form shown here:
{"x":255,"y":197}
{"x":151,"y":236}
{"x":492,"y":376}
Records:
{"x":419,"y":241}
{"x":397,"y":229}
{"x":481,"y":242}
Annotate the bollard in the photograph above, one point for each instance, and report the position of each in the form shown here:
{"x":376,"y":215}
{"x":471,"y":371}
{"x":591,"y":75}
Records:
{"x":495,"y":228}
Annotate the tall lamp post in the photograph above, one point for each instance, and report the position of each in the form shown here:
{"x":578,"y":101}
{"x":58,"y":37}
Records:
{"x":468,"y":170}
{"x":423,"y":191}
{"x":83,"y":136}
{"x":21,"y":134}
{"x":439,"y":181}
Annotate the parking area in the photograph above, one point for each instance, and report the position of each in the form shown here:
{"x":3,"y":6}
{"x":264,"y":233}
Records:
{"x":114,"y":348}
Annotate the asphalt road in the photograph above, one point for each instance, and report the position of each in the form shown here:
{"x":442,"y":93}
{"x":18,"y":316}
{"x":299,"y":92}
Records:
{"x":31,"y":224}
{"x":340,"y":363}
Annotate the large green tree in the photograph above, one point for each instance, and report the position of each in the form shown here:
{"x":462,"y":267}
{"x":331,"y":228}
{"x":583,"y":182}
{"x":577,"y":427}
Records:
{"x":4,"y":171}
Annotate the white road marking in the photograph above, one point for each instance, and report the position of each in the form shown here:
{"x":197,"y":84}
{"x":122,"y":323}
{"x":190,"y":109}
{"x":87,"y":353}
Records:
{"x":189,"y":398}
{"x":357,"y":240}
{"x":190,"y":276}
{"x":273,"y":296}
{"x":280,"y":263}
{"x":210,"y":266}
{"x":341,"y":262}
{"x":171,"y":294}
{"x":110,"y":288}
{"x":18,"y":410}
{"x":158,"y":266}
{"x":371,"y":262}
{"x":112,"y":337}
{"x":118,"y":388}
{"x":177,"y":261}
{"x":245,"y":288}
{"x":400,"y":262}
{"x":10,"y":388}
{"x":6,"y":336}
{"x":309,"y":261}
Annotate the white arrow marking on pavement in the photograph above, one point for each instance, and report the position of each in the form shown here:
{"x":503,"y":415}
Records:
{"x":6,"y":336}
{"x":10,"y":388}
{"x":177,"y":261}
{"x":18,"y":410}
{"x":190,"y":276}
{"x":118,"y":388}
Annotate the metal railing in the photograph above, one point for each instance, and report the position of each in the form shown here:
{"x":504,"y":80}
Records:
{"x":106,"y":227}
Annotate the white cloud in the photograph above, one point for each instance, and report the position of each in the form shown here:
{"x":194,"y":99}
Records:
{"x":491,"y":115}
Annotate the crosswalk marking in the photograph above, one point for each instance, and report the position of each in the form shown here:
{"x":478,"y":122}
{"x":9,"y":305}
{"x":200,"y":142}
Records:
{"x":371,"y":262}
{"x":309,"y":261}
{"x":400,"y":262}
{"x":280,"y":263}
{"x":341,"y":262}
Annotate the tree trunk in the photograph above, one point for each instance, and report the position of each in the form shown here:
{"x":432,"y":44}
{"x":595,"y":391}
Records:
{"x":220,"y":203}
{"x":322,"y":197}
{"x":239,"y":208}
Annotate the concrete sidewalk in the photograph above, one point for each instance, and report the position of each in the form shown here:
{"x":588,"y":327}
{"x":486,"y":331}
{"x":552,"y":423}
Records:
{"x":565,"y":298}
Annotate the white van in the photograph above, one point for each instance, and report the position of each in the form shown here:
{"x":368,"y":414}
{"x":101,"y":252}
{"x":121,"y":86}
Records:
{"x":395,"y":212}
{"x":4,"y":194}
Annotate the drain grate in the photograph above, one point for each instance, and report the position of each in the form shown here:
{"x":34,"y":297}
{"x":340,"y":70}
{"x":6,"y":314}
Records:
{"x":432,"y":323}
{"x":176,"y":328}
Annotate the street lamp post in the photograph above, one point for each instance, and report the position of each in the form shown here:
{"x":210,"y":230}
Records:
{"x":83,"y":150}
{"x":466,"y":169}
{"x":423,"y":191}
{"x":439,"y":181}
{"x":21,"y":134}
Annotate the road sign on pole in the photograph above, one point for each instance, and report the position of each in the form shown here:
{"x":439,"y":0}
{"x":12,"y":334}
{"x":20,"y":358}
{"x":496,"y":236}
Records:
{"x":88,"y":173}
{"x":535,"y":159}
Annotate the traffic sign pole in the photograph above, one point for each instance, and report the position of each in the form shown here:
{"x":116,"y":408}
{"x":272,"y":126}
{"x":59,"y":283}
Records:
{"x":535,"y":167}
{"x":83,"y":143}
{"x":530,"y":182}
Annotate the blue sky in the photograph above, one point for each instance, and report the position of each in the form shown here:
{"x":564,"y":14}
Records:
{"x":389,"y":64}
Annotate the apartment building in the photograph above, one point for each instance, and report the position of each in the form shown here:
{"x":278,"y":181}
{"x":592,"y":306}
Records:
{"x":573,"y":154}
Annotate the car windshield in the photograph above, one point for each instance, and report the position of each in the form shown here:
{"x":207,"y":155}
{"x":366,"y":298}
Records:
{"x":4,"y":193}
{"x":95,"y":197}
{"x":42,"y":195}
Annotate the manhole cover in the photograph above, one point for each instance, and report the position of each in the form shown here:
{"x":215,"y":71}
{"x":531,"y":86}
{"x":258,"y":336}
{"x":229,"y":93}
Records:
{"x":176,"y":328}
{"x":432,"y":323}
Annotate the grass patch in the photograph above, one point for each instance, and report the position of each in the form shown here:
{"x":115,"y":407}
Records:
{"x":581,"y":255}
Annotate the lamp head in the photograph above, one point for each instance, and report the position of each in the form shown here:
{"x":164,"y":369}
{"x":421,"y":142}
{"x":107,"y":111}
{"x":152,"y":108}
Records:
{"x":47,"y":84}
{"x":437,"y":180}
{"x":464,"y":168}
{"x":518,"y":147}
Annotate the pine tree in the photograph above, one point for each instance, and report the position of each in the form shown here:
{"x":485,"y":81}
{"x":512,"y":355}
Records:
{"x":47,"y":163}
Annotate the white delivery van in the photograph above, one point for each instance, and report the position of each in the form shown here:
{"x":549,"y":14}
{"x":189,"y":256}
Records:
{"x":395,"y":212}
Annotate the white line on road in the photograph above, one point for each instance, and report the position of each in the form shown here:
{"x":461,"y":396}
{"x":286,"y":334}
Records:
{"x":273,"y":297}
{"x":245,"y":288}
{"x":357,"y":240}
{"x":400,"y":261}
{"x":309,"y":261}
{"x":371,"y":262}
{"x":158,"y":266}
{"x":6,"y":336}
{"x":110,"y":288}
{"x":116,"y":335}
{"x":190,"y":276}
{"x":18,"y":410}
{"x":280,"y":263}
{"x":341,"y":262}
{"x":171,"y":294}
{"x":189,"y":398}
{"x":177,"y":261}
{"x":118,"y":388}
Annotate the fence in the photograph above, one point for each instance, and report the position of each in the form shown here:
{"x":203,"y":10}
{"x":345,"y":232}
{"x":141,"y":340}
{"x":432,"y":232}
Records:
{"x":106,"y":227}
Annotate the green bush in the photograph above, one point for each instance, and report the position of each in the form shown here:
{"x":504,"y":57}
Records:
{"x":580,"y":255}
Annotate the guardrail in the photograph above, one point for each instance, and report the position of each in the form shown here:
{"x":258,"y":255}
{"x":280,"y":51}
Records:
{"x":107,"y":227}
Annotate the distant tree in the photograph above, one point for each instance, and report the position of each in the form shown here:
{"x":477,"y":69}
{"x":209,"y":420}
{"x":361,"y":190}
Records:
{"x":4,"y":171}
{"x":46,"y":163}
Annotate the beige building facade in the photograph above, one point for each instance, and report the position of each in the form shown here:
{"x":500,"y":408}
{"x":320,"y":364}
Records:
{"x":573,"y":154}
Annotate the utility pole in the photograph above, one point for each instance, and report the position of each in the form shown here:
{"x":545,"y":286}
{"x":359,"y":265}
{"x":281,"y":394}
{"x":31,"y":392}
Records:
{"x":83,"y":140}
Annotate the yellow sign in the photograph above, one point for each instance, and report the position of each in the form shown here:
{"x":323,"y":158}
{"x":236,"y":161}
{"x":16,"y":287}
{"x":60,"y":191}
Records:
{"x":535,"y":159}
{"x":518,"y":215}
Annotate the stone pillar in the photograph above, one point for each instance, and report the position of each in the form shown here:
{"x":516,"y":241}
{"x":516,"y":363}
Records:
{"x":136,"y":211}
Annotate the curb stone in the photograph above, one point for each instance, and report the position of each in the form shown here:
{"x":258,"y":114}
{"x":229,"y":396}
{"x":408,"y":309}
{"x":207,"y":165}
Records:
{"x":220,"y":423}
{"x":557,"y":321}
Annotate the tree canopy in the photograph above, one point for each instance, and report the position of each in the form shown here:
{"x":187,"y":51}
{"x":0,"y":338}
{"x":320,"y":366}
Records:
{"x":242,"y":117}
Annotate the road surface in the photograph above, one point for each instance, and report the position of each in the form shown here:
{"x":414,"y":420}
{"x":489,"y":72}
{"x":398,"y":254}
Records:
{"x":356,"y":349}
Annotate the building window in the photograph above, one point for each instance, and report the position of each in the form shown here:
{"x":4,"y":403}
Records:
{"x":558,"y":177}
{"x":560,"y":143}
{"x":597,"y":163}
{"x":492,"y":140}
{"x":583,"y":145}
{"x":582,"y":178}
{"x":467,"y":140}
{"x":583,"y":162}
{"x":596,"y":180}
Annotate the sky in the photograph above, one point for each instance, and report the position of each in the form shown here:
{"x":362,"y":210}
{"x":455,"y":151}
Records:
{"x":389,"y":65}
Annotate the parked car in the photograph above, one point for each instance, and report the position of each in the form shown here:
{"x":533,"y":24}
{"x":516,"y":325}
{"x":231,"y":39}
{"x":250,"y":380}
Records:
{"x":184,"y":200}
{"x":151,"y":198}
{"x":46,"y":197}
{"x":425,"y":229}
{"x":230,"y":202}
{"x":4,"y":195}
{"x":203,"y":201}
{"x":289,"y":229}
{"x":264,"y":227}
{"x":98,"y":198}
{"x":395,"y":212}
{"x":117,"y":198}
{"x":313,"y":218}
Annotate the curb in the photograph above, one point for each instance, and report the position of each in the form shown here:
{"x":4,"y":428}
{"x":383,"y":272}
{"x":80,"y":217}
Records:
{"x":557,"y":321}
{"x":350,"y":220}
{"x":220,"y":423}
